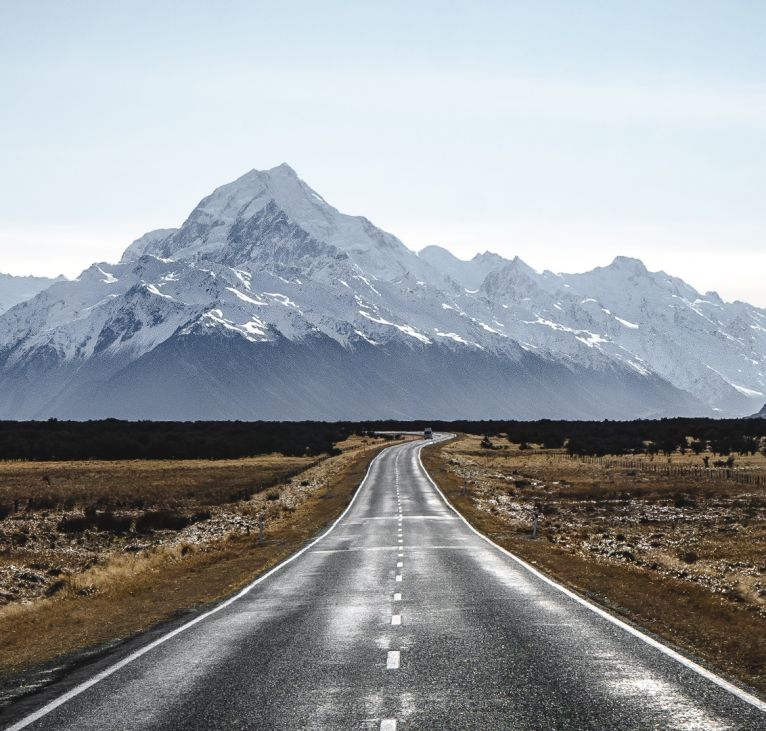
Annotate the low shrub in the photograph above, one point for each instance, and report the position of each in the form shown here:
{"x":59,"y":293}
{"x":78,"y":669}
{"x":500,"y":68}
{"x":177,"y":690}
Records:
{"x":161,"y":520}
{"x":75,"y":523}
{"x":108,"y":521}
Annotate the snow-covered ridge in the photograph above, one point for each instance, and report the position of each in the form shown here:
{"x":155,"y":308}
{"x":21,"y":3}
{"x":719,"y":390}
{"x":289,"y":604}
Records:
{"x":266,"y":260}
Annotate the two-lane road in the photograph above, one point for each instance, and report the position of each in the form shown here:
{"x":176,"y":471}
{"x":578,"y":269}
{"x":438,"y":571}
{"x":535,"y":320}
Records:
{"x":401,"y":616}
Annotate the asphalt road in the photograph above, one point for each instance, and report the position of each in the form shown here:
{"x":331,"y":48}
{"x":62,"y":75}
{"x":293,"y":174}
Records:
{"x":401,"y":617}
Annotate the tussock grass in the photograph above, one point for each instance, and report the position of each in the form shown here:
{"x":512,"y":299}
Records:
{"x":35,"y":486}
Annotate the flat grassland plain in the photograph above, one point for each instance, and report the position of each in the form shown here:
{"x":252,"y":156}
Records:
{"x":92,"y":552}
{"x":683,"y":557}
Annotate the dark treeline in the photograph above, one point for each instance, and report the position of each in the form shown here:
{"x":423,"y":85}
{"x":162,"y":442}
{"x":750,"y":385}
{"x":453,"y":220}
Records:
{"x":722,"y":436}
{"x":113,"y":439}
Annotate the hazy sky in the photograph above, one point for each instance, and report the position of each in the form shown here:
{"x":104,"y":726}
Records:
{"x":564,"y":132}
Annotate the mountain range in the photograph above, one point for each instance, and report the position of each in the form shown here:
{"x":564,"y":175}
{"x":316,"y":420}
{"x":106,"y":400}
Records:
{"x":17,"y":289}
{"x":269,"y":303}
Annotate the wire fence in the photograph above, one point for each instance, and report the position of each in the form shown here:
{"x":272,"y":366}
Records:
{"x":740,"y":475}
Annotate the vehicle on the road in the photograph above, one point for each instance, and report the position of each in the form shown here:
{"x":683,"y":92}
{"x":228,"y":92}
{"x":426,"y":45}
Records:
{"x":428,"y":433}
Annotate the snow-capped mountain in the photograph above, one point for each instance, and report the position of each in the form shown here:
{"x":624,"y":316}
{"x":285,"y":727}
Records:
{"x":269,"y":303}
{"x":648,"y":320}
{"x":761,"y":414}
{"x":18,"y":289}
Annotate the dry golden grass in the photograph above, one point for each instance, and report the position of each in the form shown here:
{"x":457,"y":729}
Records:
{"x":140,"y":482}
{"x":622,"y":540}
{"x":126,"y":593}
{"x":688,"y":459}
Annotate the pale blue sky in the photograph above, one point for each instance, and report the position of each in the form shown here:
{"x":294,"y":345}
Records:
{"x":564,"y":132}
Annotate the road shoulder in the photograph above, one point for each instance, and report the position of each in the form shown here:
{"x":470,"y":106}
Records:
{"x":685,"y":620}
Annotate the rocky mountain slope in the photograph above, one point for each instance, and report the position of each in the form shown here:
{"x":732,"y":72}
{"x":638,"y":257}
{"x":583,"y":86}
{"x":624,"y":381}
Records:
{"x":269,"y":303}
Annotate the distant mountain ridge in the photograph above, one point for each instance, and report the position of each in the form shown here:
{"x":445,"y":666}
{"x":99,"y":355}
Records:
{"x":15,"y":289}
{"x":269,"y":303}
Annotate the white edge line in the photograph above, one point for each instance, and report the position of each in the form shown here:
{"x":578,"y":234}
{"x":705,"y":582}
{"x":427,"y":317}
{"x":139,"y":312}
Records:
{"x":78,"y":689}
{"x":685,"y":661}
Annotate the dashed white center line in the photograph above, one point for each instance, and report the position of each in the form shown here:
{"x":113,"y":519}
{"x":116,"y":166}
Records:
{"x":388,"y":724}
{"x":397,"y":597}
{"x":393,"y":660}
{"x":396,"y":619}
{"x":398,"y":577}
{"x":399,"y":564}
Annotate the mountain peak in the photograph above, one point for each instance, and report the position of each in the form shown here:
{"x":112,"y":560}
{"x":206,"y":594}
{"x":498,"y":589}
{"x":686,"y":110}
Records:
{"x":489,"y":257}
{"x":265,"y":208}
{"x":515,"y":266}
{"x":282,"y":169}
{"x":280,"y":183}
{"x":513,"y":275}
{"x":519,"y":263}
{"x":434,"y":250}
{"x":628,"y":264}
{"x":469,"y":274}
